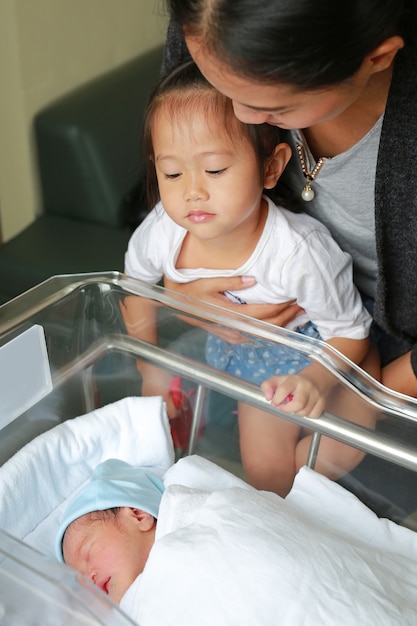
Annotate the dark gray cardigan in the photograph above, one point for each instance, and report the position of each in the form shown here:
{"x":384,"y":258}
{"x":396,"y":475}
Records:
{"x":396,"y":207}
{"x":395,"y":196}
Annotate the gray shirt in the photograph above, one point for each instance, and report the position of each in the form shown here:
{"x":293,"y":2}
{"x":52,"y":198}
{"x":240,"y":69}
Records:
{"x":344,"y":200}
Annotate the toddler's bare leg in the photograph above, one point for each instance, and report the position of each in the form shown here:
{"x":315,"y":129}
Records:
{"x":334,"y":459}
{"x":267,"y":445}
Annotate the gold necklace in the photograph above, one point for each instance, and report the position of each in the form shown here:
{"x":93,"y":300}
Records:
{"x":307,"y":193}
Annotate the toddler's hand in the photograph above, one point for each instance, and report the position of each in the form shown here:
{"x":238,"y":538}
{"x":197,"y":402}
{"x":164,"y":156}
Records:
{"x":294,"y":394}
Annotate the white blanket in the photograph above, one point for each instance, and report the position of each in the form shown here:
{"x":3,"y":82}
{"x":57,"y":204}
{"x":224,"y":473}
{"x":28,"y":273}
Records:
{"x":247,"y":558}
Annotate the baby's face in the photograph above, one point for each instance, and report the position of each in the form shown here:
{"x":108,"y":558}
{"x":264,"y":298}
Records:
{"x":110,"y":552}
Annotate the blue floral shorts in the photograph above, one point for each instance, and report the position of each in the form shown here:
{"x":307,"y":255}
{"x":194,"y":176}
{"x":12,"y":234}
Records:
{"x":255,"y":361}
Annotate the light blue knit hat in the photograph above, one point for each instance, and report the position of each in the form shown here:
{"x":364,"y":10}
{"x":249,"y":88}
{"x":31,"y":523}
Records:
{"x":113,"y":483}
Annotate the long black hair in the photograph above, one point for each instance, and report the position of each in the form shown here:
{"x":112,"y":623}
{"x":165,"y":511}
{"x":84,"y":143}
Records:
{"x":310,"y":44}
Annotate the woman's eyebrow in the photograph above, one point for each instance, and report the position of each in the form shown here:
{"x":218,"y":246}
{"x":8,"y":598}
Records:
{"x":276,"y":109}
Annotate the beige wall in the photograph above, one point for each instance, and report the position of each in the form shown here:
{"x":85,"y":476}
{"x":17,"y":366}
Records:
{"x":47,"y":47}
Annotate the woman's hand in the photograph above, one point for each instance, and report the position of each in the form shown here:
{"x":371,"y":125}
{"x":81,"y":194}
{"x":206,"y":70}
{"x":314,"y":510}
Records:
{"x":399,"y":376}
{"x":212,"y":290}
{"x":294,"y":394}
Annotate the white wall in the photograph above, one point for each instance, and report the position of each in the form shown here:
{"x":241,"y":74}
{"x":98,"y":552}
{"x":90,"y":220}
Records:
{"x":48,"y":47}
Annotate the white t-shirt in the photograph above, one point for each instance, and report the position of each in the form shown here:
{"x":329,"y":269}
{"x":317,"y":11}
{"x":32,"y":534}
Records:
{"x":295,"y":257}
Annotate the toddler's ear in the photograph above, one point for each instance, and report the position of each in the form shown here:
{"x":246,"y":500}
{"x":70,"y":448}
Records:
{"x":145,"y":520}
{"x":276,"y":165}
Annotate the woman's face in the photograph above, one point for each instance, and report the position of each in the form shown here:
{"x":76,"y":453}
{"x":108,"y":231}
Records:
{"x":278,"y":104}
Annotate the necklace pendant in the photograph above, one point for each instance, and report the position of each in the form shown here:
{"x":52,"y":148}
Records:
{"x":307,"y":193}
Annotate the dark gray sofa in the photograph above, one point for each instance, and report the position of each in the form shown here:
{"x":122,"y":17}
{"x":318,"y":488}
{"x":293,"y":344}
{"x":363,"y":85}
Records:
{"x":89,"y":159}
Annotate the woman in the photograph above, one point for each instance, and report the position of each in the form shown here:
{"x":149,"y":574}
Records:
{"x":346,"y":78}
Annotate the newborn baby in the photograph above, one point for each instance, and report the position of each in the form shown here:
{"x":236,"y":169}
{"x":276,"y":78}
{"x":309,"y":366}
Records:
{"x":108,"y":529}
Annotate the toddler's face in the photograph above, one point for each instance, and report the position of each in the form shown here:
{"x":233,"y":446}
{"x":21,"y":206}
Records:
{"x":209,"y":182}
{"x":110,"y":552}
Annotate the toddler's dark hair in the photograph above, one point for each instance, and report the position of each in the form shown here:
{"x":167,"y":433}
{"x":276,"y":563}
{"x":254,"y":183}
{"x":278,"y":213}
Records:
{"x":185,"y":89}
